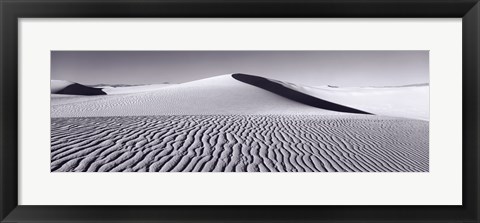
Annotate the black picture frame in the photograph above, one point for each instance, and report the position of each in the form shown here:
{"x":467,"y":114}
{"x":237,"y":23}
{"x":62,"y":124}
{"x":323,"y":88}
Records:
{"x":12,"y":10}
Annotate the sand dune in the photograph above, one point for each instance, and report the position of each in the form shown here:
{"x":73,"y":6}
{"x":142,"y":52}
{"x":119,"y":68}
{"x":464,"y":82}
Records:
{"x":71,"y":88}
{"x":229,"y":95}
{"x":239,"y":144}
{"x":221,"y":124}
{"x":211,"y":96}
{"x":409,"y":101}
{"x":293,"y":94}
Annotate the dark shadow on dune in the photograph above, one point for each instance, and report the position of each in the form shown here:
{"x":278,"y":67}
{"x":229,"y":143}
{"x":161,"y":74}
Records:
{"x":291,"y":94}
{"x":78,"y":89}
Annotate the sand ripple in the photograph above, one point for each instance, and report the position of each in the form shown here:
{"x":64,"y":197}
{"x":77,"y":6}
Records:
{"x":239,"y":143}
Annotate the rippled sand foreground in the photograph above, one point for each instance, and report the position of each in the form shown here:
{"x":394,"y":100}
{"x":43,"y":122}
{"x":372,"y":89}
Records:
{"x":239,"y":143}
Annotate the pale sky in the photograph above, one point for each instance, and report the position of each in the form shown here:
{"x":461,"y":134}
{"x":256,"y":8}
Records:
{"x":314,"y":68}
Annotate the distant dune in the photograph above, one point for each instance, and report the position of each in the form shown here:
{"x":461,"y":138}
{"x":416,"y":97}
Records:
{"x":78,"y":89}
{"x":239,"y":143}
{"x":71,"y":88}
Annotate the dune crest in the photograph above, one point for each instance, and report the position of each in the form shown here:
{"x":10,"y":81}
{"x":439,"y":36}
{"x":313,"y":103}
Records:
{"x":291,"y":94}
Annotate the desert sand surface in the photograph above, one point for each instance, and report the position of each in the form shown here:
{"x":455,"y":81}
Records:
{"x":410,"y":101}
{"x":221,"y":124}
{"x":239,"y":143}
{"x":133,"y":89}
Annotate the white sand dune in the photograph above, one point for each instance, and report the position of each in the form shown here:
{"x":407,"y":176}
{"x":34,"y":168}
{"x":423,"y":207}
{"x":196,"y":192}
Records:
{"x":239,"y":143}
{"x":225,"y":95}
{"x":211,"y":96}
{"x":403,"y":101}
{"x":222,"y":124}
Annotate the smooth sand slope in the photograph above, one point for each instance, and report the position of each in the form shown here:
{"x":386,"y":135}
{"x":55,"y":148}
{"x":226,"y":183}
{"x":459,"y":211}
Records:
{"x":410,"y":101}
{"x":133,"y":89}
{"x":223,"y":124}
{"x":211,"y":96}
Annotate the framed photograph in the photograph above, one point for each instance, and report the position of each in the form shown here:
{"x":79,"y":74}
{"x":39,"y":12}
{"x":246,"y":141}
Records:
{"x":228,"y":111}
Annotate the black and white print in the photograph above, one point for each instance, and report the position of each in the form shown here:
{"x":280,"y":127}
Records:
{"x":239,"y":111}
